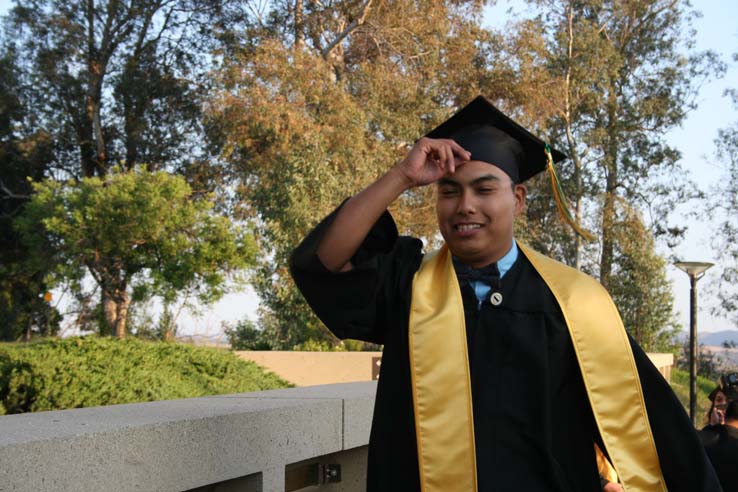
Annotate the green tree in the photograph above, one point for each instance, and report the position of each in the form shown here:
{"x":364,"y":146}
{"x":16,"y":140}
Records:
{"x":244,"y":335}
{"x":605,"y":81}
{"x":639,"y":286}
{"x":709,"y":365}
{"x":90,"y":85}
{"x":311,"y":114}
{"x":118,"y":83}
{"x":137,"y":234}
{"x":25,"y":151}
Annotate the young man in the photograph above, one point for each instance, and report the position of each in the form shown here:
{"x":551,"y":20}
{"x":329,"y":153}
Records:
{"x":501,"y":368}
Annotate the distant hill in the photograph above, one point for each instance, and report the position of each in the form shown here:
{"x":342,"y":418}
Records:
{"x":711,"y":338}
{"x":717,"y":338}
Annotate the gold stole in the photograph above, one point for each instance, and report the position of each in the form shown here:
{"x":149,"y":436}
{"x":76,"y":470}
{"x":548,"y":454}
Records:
{"x":441,"y":385}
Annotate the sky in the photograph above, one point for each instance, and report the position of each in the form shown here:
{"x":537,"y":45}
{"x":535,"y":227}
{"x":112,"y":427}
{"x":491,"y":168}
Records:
{"x":717,"y":30}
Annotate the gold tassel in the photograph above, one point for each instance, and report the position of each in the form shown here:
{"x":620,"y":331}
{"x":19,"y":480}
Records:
{"x":561,"y":202}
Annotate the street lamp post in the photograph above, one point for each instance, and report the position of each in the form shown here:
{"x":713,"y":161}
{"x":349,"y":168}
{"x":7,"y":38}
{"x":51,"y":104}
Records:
{"x":695,"y":270}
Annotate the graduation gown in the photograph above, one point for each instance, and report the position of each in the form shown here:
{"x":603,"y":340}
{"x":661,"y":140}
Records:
{"x":721,"y":444}
{"x":533,"y":425}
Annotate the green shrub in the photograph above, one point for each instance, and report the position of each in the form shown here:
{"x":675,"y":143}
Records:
{"x":90,"y":371}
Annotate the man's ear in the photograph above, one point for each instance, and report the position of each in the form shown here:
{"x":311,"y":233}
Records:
{"x":520,"y":192}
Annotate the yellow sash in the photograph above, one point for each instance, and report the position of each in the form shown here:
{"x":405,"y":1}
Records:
{"x":442,"y":389}
{"x":440,"y":378}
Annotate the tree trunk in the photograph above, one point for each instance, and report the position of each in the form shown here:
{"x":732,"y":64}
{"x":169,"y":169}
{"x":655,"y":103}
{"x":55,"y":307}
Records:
{"x":93,"y":160}
{"x":29,"y":328}
{"x":109,"y":312}
{"x":121,"y":314}
{"x":169,"y":333}
{"x":299,"y":22}
{"x":570,"y":135}
{"x":608,"y":240}
{"x":611,"y":185}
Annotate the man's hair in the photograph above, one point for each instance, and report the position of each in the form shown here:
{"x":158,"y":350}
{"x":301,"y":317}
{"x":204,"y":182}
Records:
{"x":731,"y":413}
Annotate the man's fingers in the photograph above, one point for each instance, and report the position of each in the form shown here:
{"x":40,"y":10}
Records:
{"x":452,"y":154}
{"x":449,"y":159}
{"x":461,"y":155}
{"x":446,"y":154}
{"x":460,"y":151}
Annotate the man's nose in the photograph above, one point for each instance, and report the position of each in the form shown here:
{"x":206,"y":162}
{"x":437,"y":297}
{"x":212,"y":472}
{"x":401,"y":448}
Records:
{"x":466,"y":203}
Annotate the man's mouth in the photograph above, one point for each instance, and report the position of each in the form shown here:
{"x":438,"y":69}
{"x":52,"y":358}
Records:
{"x":467,"y":227}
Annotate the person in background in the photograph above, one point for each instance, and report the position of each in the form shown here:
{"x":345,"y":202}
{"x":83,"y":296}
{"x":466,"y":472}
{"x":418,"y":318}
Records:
{"x":725,"y":392}
{"x":721,"y":445}
{"x":716,"y":413}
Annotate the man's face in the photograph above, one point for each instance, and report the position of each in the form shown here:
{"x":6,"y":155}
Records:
{"x":476,"y":207}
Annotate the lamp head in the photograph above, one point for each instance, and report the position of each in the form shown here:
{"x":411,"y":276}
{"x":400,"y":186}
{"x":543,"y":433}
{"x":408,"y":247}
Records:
{"x":693,"y":268}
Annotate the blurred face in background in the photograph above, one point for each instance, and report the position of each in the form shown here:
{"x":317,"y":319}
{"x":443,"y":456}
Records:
{"x":721,"y":401}
{"x":716,"y":414}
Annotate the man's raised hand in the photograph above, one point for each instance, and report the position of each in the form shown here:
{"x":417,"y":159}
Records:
{"x":431,"y":159}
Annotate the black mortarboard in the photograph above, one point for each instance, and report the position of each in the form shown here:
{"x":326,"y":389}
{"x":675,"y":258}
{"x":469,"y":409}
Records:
{"x":491,"y":136}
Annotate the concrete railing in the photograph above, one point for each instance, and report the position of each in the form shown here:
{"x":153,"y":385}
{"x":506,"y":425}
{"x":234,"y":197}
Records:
{"x":274,"y":441}
{"x":267,"y":441}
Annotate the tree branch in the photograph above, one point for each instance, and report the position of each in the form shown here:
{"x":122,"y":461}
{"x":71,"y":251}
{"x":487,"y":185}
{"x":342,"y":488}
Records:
{"x":358,"y":21}
{"x":9,"y":194}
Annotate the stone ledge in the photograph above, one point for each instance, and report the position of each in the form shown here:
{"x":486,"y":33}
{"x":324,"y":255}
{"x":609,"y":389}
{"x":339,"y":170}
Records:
{"x":182,"y":444}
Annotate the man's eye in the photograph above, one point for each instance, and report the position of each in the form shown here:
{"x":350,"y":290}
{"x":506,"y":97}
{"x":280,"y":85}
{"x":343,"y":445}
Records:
{"x":486,"y":189}
{"x":449,"y":191}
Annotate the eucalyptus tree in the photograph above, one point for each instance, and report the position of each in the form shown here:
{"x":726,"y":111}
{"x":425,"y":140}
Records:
{"x":639,"y":286}
{"x":319,"y":99}
{"x":724,"y":205}
{"x":606,"y":80}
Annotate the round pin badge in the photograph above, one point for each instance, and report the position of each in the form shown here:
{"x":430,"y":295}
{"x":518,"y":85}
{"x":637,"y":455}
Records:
{"x":495,"y":299}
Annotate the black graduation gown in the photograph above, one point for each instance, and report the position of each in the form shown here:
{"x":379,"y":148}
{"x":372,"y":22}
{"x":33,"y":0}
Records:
{"x":721,"y":444}
{"x":534,"y":427}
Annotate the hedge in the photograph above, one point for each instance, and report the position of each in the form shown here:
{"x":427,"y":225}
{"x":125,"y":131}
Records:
{"x":79,"y":372}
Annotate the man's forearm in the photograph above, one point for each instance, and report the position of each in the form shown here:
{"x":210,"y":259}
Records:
{"x":356,"y":218}
{"x":426,"y":163}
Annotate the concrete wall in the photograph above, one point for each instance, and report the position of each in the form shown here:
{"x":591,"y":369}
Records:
{"x":244,"y":442}
{"x":311,"y":368}
{"x":664,"y":363}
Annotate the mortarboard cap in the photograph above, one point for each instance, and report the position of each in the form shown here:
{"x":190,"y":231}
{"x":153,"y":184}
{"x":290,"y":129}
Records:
{"x":491,"y":136}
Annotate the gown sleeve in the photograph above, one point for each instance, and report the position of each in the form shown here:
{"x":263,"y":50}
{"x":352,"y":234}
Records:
{"x":684,"y":464}
{"x":361,"y":303}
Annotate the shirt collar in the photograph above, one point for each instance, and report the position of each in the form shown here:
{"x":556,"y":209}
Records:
{"x":506,"y":262}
